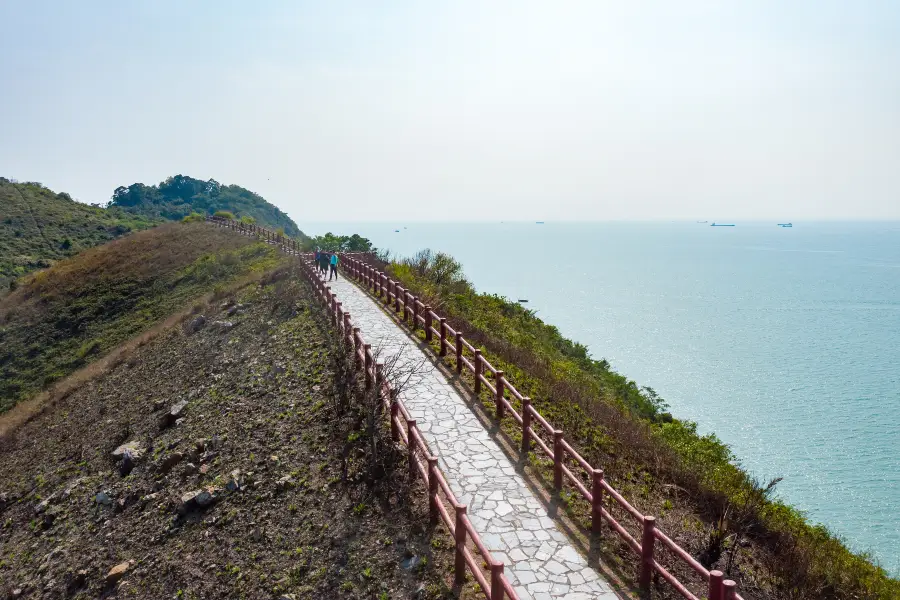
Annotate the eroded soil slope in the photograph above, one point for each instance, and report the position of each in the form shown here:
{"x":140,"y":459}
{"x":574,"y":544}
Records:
{"x":238,"y":494}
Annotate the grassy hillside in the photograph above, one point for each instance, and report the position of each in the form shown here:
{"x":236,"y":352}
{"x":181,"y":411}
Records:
{"x":61,"y":318}
{"x":285,"y":516}
{"x":39,"y":227}
{"x":692,"y":483}
{"x":179,"y":196}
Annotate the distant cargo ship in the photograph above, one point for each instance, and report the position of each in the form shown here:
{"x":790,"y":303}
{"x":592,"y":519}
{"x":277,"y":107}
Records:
{"x":785,"y":225}
{"x":721,"y":225}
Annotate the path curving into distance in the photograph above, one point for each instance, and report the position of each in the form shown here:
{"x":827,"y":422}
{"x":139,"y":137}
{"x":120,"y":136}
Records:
{"x":541,"y":562}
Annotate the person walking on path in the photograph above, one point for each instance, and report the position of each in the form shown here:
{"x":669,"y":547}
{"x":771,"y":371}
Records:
{"x":318,"y":259}
{"x":323,"y":262}
{"x":334,"y":264}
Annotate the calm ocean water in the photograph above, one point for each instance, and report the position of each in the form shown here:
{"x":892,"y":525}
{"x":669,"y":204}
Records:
{"x":784,"y":342}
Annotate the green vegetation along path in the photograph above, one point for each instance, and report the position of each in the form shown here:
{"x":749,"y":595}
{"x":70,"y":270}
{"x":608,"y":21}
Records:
{"x":541,"y":562}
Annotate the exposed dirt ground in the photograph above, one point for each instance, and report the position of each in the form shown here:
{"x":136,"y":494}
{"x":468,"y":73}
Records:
{"x":239,"y":495}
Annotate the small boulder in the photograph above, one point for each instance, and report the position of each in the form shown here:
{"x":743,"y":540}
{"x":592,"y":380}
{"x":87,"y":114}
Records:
{"x":222,"y":325}
{"x":117,"y":572}
{"x":44,"y":504}
{"x":411,"y":563}
{"x":196,"y":324}
{"x":104,"y":499}
{"x":190,"y":468}
{"x":134,"y":447}
{"x":175,"y":413}
{"x":196,"y":499}
{"x":170,"y":461}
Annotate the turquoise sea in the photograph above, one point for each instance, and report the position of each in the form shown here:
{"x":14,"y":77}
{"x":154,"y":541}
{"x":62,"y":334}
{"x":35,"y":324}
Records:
{"x":784,"y":342}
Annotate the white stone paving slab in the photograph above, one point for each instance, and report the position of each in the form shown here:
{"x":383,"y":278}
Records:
{"x":541,"y":562}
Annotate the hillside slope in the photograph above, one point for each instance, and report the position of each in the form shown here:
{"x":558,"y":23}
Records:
{"x":61,"y":318}
{"x":179,"y":196}
{"x":243,"y":496}
{"x":39,"y":227}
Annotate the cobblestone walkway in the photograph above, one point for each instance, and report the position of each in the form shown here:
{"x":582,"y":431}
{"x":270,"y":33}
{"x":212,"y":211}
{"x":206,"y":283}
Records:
{"x":540,"y":561}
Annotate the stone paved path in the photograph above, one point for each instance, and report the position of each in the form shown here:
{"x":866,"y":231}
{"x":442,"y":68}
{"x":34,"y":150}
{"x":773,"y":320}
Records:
{"x":540,"y":561}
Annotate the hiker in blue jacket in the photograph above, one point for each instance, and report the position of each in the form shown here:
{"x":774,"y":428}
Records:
{"x":334,"y":264}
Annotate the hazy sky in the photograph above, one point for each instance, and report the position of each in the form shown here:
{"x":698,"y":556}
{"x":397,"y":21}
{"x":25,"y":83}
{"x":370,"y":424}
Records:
{"x":463,"y":110}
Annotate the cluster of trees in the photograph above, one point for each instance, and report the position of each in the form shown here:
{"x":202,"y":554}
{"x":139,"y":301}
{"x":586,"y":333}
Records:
{"x":179,"y":196}
{"x":341,"y":243}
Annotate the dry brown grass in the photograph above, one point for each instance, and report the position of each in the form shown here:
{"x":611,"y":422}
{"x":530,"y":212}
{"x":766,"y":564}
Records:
{"x":27,"y":410}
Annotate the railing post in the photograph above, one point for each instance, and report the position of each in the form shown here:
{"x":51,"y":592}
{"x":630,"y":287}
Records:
{"x":497,"y":581}
{"x":347,"y":325}
{"x":729,"y":590}
{"x":335,"y":316}
{"x":432,"y":491}
{"x":356,"y":348}
{"x":427,"y":323}
{"x":478,"y":368}
{"x":459,"y":351}
{"x":716,"y":591}
{"x":415,"y":303}
{"x":526,"y":425}
{"x":411,"y":446}
{"x":367,"y":350}
{"x":460,"y":534}
{"x":377,"y":289}
{"x":395,"y":428}
{"x":390,"y":291}
{"x":443,"y":350}
{"x":397,"y":291}
{"x":558,"y":459}
{"x":405,"y":306}
{"x":499,"y":407}
{"x":647,"y":542}
{"x":597,"y":501}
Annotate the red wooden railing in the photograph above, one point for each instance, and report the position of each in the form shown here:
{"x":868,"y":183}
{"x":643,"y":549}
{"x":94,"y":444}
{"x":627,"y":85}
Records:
{"x":495,"y":585}
{"x":413,"y":313}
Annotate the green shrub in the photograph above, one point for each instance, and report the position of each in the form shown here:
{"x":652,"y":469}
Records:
{"x":224,"y":214}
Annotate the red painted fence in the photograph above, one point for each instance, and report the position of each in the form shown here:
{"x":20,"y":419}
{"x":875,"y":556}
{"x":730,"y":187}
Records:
{"x":412,"y":312}
{"x":404,"y":429}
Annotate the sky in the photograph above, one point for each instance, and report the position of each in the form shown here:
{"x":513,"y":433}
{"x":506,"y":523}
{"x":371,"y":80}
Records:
{"x":465,"y":110}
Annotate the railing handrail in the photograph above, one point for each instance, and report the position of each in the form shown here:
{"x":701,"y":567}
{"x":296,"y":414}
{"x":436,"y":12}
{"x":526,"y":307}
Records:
{"x":404,"y":429}
{"x":380,"y":285}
